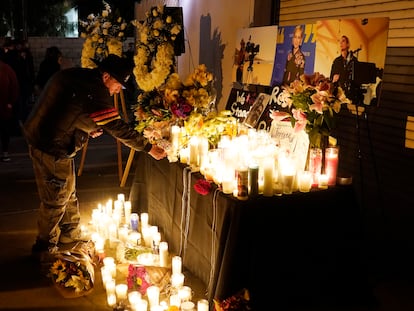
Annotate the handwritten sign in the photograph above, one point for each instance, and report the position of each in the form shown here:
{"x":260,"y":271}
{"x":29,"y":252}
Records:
{"x":241,"y":101}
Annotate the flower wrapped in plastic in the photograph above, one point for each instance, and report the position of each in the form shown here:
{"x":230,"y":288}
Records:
{"x":72,"y":271}
{"x":140,"y":277}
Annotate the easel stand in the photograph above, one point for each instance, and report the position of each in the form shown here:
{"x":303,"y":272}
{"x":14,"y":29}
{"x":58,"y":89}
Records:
{"x":123,"y":175}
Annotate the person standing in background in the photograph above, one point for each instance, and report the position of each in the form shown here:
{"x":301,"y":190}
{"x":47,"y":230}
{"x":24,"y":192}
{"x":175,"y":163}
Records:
{"x":295,"y":64}
{"x":9,"y":92}
{"x":49,"y":65}
{"x":19,"y":57}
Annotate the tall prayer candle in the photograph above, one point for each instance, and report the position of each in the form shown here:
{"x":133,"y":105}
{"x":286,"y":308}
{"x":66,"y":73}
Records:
{"x":268,"y":177}
{"x":153,"y":293}
{"x":163,"y":254}
{"x":144,"y":219}
{"x":315,"y":164}
{"x":175,"y":136}
{"x":176,"y":265}
{"x":194,"y":151}
{"x":331,"y":164}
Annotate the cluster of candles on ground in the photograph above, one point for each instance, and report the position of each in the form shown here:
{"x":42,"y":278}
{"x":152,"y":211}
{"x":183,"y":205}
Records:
{"x":113,"y":225}
{"x":253,"y":163}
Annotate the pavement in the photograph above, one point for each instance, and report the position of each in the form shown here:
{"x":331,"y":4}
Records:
{"x":24,"y":283}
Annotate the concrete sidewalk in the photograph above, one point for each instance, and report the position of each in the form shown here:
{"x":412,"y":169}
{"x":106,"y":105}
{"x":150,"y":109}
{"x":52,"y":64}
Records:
{"x":24,"y":284}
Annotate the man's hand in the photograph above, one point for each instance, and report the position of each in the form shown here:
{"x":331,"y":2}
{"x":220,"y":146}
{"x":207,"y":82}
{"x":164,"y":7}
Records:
{"x":157,"y":152}
{"x":96,"y":133}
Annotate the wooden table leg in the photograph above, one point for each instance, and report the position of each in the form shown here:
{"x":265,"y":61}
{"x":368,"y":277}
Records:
{"x":82,"y":161}
{"x":127,"y":167}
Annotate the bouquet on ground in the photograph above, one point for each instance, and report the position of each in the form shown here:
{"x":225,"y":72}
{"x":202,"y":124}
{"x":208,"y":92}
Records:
{"x":72,"y":271}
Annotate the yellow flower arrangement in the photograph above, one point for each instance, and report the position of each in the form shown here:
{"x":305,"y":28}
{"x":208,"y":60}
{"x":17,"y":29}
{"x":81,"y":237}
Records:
{"x":154,"y":58}
{"x":73,"y":271}
{"x":104,"y":34}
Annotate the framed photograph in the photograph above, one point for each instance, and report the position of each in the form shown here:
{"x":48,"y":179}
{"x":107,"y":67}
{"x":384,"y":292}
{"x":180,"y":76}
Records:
{"x":254,"y":55}
{"x":352,"y":53}
{"x":295,"y":53}
{"x":256,"y":111}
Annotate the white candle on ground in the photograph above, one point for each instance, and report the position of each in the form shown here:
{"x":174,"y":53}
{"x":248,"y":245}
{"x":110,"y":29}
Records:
{"x":144,"y":220}
{"x":153,"y":293}
{"x":202,"y":305}
{"x":176,"y":265}
{"x":163,"y":254}
{"x":177,"y":280}
{"x":121,"y":291}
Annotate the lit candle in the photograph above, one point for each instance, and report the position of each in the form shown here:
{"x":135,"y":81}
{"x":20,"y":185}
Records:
{"x":175,"y":300}
{"x":184,"y":154}
{"x":134,"y":238}
{"x":110,"y":286}
{"x":141,"y":305}
{"x":121,"y":291}
{"x":185,"y":293}
{"x":133,"y":297}
{"x":123,"y":234}
{"x":305,"y":181}
{"x":175,"y":137}
{"x":331,"y":164}
{"x":202,"y":305}
{"x":127,"y":212}
{"x":315,"y":164}
{"x":193,"y":151}
{"x":144,"y":220}
{"x":323,"y":181}
{"x":163,"y":254}
{"x":176,"y":265}
{"x":187,"y":306}
{"x":111,"y":299}
{"x":121,"y":197}
{"x":153,"y":293}
{"x":177,"y":280}
{"x":108,"y":261}
{"x":268,"y":165}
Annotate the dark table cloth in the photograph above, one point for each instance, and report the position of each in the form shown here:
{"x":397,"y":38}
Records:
{"x":298,"y":248}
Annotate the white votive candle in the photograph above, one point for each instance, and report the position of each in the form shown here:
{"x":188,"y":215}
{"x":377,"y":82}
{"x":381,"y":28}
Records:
{"x":187,"y":306}
{"x":111,"y":300}
{"x":121,"y":291}
{"x":141,"y":305}
{"x":323,"y":181}
{"x":185,"y":293}
{"x":177,"y":280}
{"x":133,"y":297}
{"x":202,"y":305}
{"x":175,"y":300}
{"x":153,"y":293}
{"x":110,"y":286}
